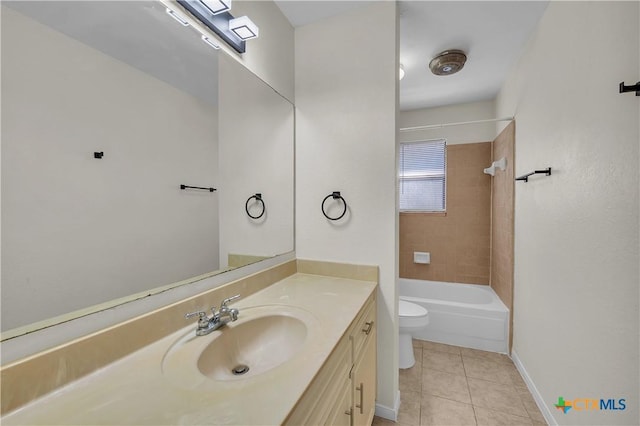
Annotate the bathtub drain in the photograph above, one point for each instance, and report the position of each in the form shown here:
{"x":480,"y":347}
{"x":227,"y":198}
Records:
{"x":239,"y":370}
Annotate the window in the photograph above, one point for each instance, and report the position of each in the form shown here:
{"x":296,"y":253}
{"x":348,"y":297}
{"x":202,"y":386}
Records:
{"x":422,"y":173}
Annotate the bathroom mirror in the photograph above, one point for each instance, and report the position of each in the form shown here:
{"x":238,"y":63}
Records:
{"x":107,"y":109}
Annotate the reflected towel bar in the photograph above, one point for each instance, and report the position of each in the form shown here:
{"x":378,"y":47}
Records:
{"x":197,"y":187}
{"x":525,"y":178}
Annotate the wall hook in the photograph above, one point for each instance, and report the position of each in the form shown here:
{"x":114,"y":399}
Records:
{"x":632,"y":88}
{"x":98,"y":154}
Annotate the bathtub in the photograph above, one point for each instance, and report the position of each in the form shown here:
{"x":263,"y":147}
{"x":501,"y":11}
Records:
{"x":460,"y":314}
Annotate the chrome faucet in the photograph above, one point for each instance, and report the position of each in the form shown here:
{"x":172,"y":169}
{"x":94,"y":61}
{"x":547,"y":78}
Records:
{"x":224,"y":315}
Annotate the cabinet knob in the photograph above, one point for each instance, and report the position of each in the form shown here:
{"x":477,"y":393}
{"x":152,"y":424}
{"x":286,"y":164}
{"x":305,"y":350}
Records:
{"x":349,"y":412}
{"x":367,"y":329}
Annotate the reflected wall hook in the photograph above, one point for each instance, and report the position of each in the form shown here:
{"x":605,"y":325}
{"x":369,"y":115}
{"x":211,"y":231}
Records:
{"x":632,"y":88}
{"x":547,"y":172}
{"x":336,"y":196}
{"x":258,"y":198}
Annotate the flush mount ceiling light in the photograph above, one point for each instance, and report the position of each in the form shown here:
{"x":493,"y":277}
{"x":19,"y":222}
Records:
{"x":448,"y":62}
{"x":401,"y":72}
{"x":217,"y":6}
{"x":244,"y":28}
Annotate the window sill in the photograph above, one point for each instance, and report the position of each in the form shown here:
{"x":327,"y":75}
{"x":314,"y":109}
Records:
{"x":424,"y":213}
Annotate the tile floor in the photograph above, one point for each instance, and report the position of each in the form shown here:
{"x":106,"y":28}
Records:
{"x":450,"y":385}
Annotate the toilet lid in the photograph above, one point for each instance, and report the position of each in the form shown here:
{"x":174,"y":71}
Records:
{"x":408,"y":309}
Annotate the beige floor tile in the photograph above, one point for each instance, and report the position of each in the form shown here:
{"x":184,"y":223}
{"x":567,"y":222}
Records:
{"x":530,"y":405}
{"x":409,"y":413}
{"x":440,"y":411}
{"x":411,"y":379}
{"x":439,"y":347}
{"x":445,"y":385}
{"x":496,"y":396}
{"x":490,"y":356}
{"x":481,"y":368}
{"x":379,"y":421}
{"x":517,"y":380}
{"x":486,"y":417}
{"x":410,"y":396}
{"x":447,"y":362}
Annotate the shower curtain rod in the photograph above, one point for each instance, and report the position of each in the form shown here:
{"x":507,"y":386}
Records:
{"x":437,"y":126}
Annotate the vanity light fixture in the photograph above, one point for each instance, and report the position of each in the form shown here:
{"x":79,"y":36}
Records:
{"x":177,"y":17}
{"x":217,"y":6}
{"x":244,"y":28}
{"x":210,"y":42}
{"x":219,"y":22}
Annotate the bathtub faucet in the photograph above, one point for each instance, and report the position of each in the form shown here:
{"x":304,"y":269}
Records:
{"x":224,"y":315}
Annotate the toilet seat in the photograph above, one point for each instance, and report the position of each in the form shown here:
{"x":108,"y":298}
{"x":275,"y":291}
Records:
{"x":412,"y":315}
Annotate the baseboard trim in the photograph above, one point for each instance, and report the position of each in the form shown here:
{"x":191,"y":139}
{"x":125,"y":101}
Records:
{"x":387,"y":412}
{"x":544,"y":409}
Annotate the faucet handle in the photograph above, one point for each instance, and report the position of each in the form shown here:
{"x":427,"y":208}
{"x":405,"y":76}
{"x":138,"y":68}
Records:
{"x":203,"y":320}
{"x":201,"y":315}
{"x":223,"y":305}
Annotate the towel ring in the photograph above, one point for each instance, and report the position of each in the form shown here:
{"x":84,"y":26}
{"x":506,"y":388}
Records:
{"x":258,"y":197}
{"x":336,"y":196}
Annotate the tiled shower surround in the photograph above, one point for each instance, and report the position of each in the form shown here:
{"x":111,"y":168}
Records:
{"x":458,"y":240}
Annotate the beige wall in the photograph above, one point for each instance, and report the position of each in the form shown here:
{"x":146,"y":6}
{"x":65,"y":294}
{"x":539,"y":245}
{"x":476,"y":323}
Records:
{"x":270,"y":56}
{"x":346,"y":102}
{"x":468,"y":133}
{"x":458,"y":240}
{"x":256,"y":151}
{"x":78,"y":230}
{"x":502,"y":198}
{"x":576,"y":300}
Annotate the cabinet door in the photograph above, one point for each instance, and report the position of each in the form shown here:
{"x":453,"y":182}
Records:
{"x":343,"y":411}
{"x":364,"y":384}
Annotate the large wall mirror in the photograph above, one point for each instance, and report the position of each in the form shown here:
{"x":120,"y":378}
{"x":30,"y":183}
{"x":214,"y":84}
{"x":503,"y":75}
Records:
{"x":107,"y":109}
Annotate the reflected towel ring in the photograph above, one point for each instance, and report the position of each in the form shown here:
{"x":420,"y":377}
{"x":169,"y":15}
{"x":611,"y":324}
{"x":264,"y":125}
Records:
{"x":336,"y":196}
{"x":258,"y":198}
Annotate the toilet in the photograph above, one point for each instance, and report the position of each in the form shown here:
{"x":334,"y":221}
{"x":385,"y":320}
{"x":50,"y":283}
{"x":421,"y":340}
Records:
{"x":412,"y":317}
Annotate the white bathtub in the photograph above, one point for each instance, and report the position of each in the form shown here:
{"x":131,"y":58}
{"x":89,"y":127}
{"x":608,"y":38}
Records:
{"x":460,"y":314}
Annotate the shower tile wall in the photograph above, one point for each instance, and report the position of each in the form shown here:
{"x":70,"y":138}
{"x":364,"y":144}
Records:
{"x":459,"y":240}
{"x":502,"y":220}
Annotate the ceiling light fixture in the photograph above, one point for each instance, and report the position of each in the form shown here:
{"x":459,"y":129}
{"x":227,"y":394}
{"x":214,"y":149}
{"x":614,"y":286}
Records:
{"x":233,"y":31}
{"x":217,"y":6}
{"x":448,"y":62}
{"x":244,"y":28}
{"x":401,"y":72}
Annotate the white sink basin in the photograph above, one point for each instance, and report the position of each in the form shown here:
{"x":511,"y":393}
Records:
{"x":262,"y":339}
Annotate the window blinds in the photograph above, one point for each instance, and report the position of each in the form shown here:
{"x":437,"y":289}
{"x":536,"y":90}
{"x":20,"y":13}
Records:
{"x":422,"y":173}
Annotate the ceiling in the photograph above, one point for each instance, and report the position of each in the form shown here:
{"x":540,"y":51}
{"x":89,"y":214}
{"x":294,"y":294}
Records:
{"x":138,"y":33}
{"x":492,"y":33}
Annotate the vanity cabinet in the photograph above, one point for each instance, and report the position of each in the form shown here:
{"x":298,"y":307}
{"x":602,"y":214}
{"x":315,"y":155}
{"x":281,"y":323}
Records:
{"x":344,"y":390}
{"x":364,"y":369}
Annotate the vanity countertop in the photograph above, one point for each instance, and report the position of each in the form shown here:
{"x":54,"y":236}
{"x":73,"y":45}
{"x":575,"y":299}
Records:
{"x":134,"y":390}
